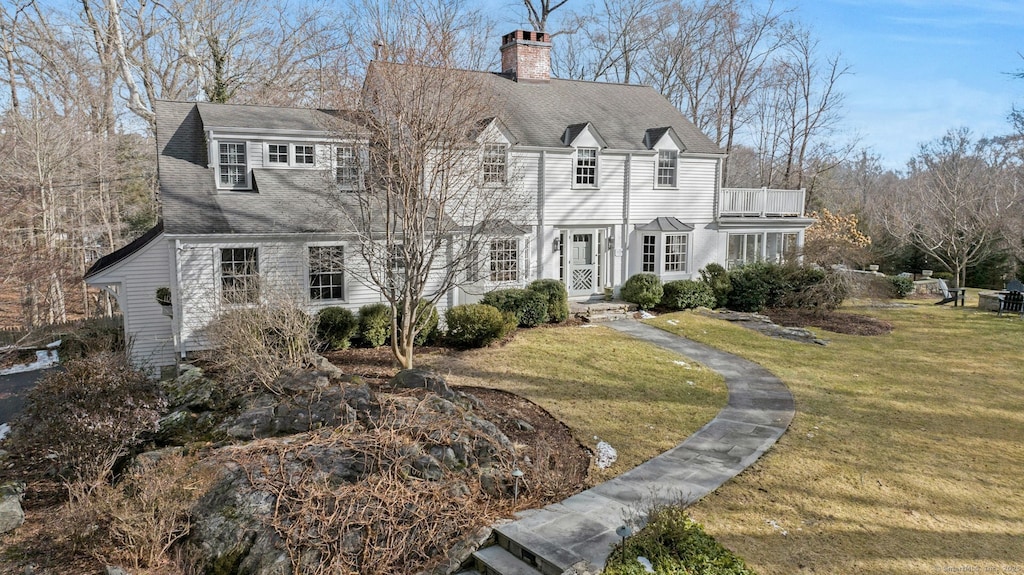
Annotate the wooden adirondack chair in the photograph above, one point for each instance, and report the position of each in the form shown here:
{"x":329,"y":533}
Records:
{"x":1012,"y":302}
{"x":951,"y":295}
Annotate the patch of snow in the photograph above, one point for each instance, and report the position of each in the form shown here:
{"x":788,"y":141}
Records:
{"x":690,"y":383}
{"x":682,"y":363}
{"x":673,"y":322}
{"x":644,"y":314}
{"x":4,"y":430}
{"x":775,"y":525}
{"x":588,"y":325}
{"x":54,"y":344}
{"x":646,"y":563}
{"x":606,"y":455}
{"x":44,"y":358}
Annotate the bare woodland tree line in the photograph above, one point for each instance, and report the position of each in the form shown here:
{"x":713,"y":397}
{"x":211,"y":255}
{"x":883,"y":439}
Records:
{"x":77,"y":165}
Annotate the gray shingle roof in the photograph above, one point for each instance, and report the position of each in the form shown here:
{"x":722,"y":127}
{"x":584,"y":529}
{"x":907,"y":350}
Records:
{"x":665,"y":224}
{"x":282,"y":201}
{"x":273,"y":118}
{"x":538,"y":113}
{"x":295,"y":201}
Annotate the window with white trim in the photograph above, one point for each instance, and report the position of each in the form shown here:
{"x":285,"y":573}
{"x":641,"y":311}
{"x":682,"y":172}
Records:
{"x":668,"y":162}
{"x":586,"y":167}
{"x":326,"y":273}
{"x":504,"y":256}
{"x":232,"y":165}
{"x":780,"y":246}
{"x":277,"y":154}
{"x":239,"y":275}
{"x":348,"y":170}
{"x":743,"y":249}
{"x":304,"y":155}
{"x":675,"y":253}
{"x":649,"y":257}
{"x":495,"y":161}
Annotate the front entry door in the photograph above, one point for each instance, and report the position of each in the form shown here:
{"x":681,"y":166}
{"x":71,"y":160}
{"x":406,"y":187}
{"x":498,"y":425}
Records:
{"x":583,"y":270}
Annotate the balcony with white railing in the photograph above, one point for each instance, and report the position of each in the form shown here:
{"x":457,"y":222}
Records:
{"x":761,"y":203}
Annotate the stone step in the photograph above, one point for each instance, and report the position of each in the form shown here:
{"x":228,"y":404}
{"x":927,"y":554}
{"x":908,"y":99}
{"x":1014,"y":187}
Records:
{"x":496,"y":560}
{"x":601,"y":311}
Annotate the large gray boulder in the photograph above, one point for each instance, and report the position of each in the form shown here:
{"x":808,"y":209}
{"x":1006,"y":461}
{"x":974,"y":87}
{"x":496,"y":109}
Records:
{"x":11,"y":513}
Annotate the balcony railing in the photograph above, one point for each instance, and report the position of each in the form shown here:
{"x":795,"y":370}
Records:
{"x":761,"y":202}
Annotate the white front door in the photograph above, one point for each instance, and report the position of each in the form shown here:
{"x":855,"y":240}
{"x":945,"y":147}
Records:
{"x":583,"y":271}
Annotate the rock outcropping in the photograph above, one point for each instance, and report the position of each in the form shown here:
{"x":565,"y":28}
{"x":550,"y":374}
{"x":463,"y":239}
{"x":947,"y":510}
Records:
{"x":330,"y":476}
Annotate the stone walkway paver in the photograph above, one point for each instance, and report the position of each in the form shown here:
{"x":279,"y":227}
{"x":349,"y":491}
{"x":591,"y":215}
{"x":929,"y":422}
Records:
{"x":582,"y":527}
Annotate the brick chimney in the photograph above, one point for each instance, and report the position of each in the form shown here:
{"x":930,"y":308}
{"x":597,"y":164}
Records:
{"x":526,"y":56}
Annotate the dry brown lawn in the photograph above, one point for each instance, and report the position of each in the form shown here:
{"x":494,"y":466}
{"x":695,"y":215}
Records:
{"x":639,"y":398}
{"x":906,"y":455}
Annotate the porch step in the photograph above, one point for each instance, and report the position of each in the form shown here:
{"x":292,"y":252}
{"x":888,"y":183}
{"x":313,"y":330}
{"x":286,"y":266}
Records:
{"x":496,"y":560}
{"x":601,"y":311}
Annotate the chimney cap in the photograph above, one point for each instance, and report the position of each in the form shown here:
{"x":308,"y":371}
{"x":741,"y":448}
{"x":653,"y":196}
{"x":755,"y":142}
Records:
{"x":525,"y":36}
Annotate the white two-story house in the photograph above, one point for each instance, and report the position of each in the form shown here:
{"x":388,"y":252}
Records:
{"x":619,"y":183}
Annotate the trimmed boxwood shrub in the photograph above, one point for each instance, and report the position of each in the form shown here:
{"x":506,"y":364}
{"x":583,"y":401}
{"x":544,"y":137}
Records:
{"x":900,"y":286}
{"x":529,"y":307}
{"x":335,"y":327}
{"x":477,"y":325}
{"x":718,"y":279}
{"x":687,"y":294}
{"x":374,"y":324}
{"x":643,"y":289}
{"x":557,"y":297}
{"x":426,"y":324}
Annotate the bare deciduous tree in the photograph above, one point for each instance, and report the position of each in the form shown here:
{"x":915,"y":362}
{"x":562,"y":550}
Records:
{"x":426,"y":213}
{"x":539,"y":11}
{"x":954,"y":204}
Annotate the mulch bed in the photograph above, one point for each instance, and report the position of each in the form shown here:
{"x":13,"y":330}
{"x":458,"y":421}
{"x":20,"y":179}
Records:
{"x":835,"y":322}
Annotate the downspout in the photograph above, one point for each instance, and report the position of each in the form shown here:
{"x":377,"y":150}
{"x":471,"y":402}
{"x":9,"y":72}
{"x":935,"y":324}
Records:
{"x":541,"y":244}
{"x":718,"y":187}
{"x":178,"y":319}
{"x":623,"y":235}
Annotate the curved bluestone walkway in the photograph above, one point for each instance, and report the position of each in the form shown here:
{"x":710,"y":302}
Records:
{"x":582,"y":527}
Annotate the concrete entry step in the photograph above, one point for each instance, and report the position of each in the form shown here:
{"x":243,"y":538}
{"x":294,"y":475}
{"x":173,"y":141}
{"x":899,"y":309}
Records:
{"x":496,"y":560}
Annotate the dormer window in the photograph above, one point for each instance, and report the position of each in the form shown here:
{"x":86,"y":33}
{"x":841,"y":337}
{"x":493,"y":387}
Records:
{"x":304,"y":155}
{"x":668,"y":162}
{"x":289,"y":154}
{"x":277,"y":154}
{"x":495,"y":163}
{"x":586,"y":167}
{"x":232,"y":167}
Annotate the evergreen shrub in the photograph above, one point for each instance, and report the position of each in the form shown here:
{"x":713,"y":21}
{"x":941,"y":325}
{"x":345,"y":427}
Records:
{"x":644,"y":290}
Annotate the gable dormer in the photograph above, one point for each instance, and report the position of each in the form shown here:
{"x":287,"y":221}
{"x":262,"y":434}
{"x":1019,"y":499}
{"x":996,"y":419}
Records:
{"x":587,"y":144}
{"x":667,"y":144}
{"x":495,"y":142}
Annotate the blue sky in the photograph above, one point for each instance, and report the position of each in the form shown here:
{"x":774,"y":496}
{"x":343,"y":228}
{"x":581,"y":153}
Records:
{"x":920,"y":67}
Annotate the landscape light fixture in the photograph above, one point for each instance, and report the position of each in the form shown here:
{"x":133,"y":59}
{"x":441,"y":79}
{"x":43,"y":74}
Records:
{"x":623,"y":532}
{"x":516,"y":474}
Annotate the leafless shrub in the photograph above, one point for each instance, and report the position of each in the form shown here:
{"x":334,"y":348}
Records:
{"x":389,"y":520}
{"x":252,"y":345}
{"x":136,"y":522}
{"x":82,"y":419}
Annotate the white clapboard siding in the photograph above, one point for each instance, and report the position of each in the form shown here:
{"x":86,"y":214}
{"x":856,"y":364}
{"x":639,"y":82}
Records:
{"x":283,"y":275}
{"x":147,"y":330}
{"x":693,"y":200}
{"x":567,"y":205}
